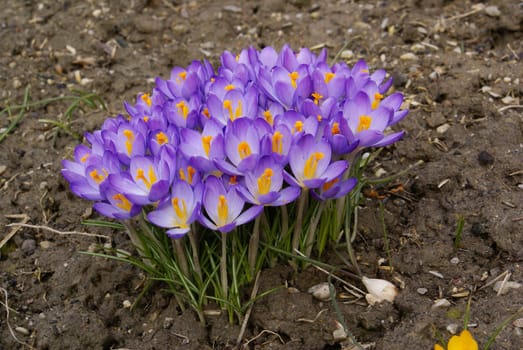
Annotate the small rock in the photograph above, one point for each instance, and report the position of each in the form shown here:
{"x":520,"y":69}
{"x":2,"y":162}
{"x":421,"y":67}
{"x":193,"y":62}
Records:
{"x":347,"y":54}
{"x":321,"y":291}
{"x":43,"y":186}
{"x":440,"y":303}
{"x":45,"y":244}
{"x":17,"y":83}
{"x":503,"y":287}
{"x":339,"y":334}
{"x":28,"y":246}
{"x":126,"y":304}
{"x":452,"y":328}
{"x":232,"y":8}
{"x":485,"y":158}
{"x":422,"y":291}
{"x":409,"y":56}
{"x":3,"y":168}
{"x":443,"y":128}
{"x":180,"y":28}
{"x":147,"y":25}
{"x":454,"y":260}
{"x":168,"y":322}
{"x":518,"y":323}
{"x":22,"y":330}
{"x":41,"y":316}
{"x":492,"y":11}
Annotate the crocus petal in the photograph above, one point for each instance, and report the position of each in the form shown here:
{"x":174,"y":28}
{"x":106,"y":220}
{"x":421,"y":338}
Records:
{"x":389,"y":139}
{"x":249,"y":214}
{"x":177,"y":233}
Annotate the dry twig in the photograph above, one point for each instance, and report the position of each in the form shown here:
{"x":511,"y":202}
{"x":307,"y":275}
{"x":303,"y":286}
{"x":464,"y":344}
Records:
{"x":42,"y":227}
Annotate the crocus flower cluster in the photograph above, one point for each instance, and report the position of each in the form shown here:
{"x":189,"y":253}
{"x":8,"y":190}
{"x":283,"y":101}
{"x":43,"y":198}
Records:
{"x":216,"y":146}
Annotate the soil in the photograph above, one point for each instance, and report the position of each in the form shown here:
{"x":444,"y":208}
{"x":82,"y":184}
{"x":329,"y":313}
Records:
{"x":460,"y":67}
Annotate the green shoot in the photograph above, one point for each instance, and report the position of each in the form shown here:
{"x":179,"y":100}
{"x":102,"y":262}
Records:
{"x":459,"y":231}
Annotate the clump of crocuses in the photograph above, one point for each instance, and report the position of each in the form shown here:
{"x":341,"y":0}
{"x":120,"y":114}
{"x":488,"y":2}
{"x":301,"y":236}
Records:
{"x":209,"y":149}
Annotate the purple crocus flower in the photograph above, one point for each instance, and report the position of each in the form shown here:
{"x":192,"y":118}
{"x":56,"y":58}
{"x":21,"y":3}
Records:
{"x":278,"y":143}
{"x":116,"y":205}
{"x":234,"y":105}
{"x":146,"y":182}
{"x":309,"y":161}
{"x":224,"y":207}
{"x":367,"y":125}
{"x":334,"y":188}
{"x":89,"y":172}
{"x":242,"y":145}
{"x":263,"y":185}
{"x":179,"y":210}
{"x":183,"y":83}
{"x":183,"y":112}
{"x":127,"y":141}
{"x":202,"y":148}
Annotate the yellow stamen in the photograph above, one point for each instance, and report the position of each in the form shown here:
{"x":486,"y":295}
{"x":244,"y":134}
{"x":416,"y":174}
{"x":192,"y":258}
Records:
{"x":96,"y":176}
{"x":277,"y":143}
{"x":317,"y":97}
{"x":294,"y":76}
{"x":233,"y":180}
{"x":377,"y":99}
{"x":239,"y":110}
{"x":181,"y":213}
{"x":206,"y":143}
{"x":267,"y":115}
{"x":229,"y":87}
{"x":227,"y":104}
{"x":147,"y":99}
{"x":244,"y":150}
{"x":319,"y":117}
{"x":328,"y":185}
{"x":122,"y":202}
{"x":335,"y":128}
{"x":329,"y":76}
{"x":298,"y":126}
{"x":181,"y":76}
{"x":309,"y":170}
{"x":364,"y":123}
{"x":84,"y":158}
{"x":161,"y":138}
{"x":264,"y":181}
{"x":140,"y":175}
{"x":183,"y":109}
{"x":223,"y":210}
{"x":145,"y":118}
{"x":190,"y":173}
{"x":206,"y":112}
{"x":129,"y":135}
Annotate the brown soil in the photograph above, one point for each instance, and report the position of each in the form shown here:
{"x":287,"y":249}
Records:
{"x":461,"y":70}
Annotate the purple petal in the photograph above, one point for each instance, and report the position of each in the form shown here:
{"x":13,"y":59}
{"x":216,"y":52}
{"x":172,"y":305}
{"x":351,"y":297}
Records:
{"x":249,"y":214}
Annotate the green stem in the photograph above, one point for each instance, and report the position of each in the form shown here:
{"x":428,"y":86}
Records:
{"x":349,"y":236}
{"x":180,"y":256}
{"x":223,"y":267}
{"x":311,"y":232}
{"x":254,"y":244}
{"x":284,"y":222}
{"x":193,"y":239}
{"x":299,"y":221}
{"x":19,"y":117}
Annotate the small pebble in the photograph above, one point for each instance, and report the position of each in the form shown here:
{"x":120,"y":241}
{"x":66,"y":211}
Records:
{"x":454,"y":260}
{"x":347,"y":54}
{"x":485,"y":158}
{"x":45,"y":244}
{"x":518,"y":323}
{"x":339,"y":334}
{"x":443,"y":128}
{"x":168,"y":322}
{"x":28,"y":246}
{"x":22,"y":330}
{"x":232,"y":8}
{"x":43,"y":186}
{"x":320,"y":291}
{"x":3,"y":168}
{"x":452,"y":328}
{"x":41,"y":316}
{"x":17,"y":83}
{"x":409,"y":56}
{"x":422,"y":291}
{"x":440,"y":303}
{"x":503,"y":287}
{"x":126,"y":304}
{"x":492,"y":11}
